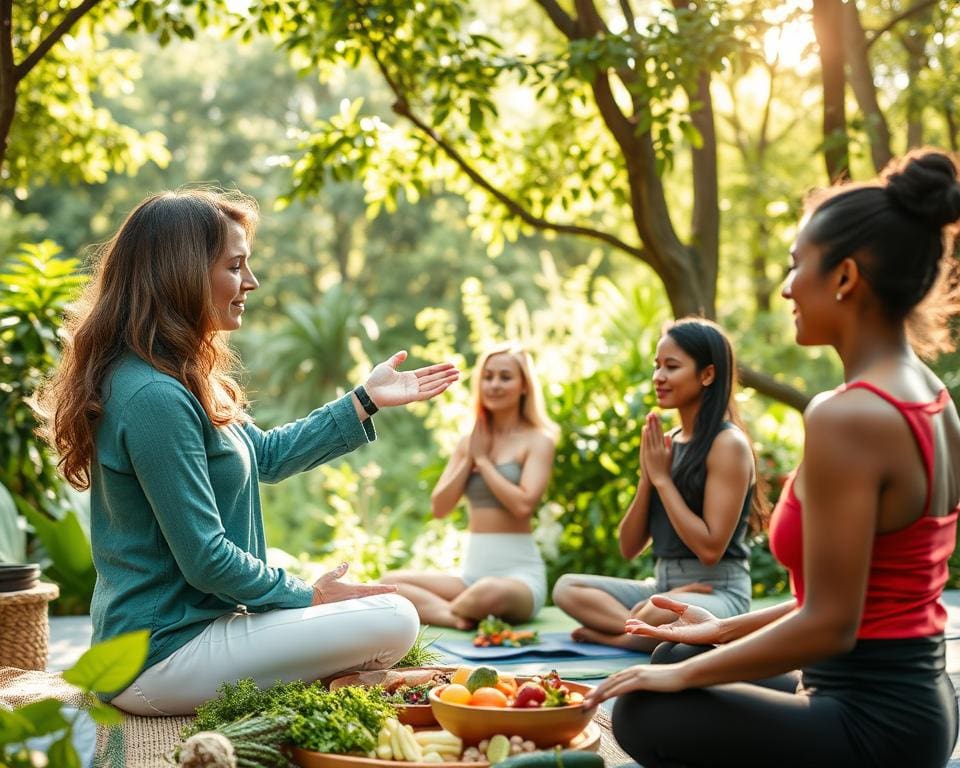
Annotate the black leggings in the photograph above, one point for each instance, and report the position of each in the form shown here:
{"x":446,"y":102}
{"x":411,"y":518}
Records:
{"x":886,"y":703}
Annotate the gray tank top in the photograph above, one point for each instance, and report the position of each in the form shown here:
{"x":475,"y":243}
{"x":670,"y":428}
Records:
{"x":479,"y":493}
{"x":668,"y":544}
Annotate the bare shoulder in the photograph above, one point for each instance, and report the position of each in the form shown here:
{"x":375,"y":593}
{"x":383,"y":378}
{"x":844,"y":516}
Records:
{"x":853,"y":419}
{"x":731,"y":446}
{"x":538,"y":443}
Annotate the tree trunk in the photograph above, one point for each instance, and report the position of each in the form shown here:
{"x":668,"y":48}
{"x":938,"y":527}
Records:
{"x":949,"y":114}
{"x":861,"y":81}
{"x":914,"y":42}
{"x":705,"y":220}
{"x":828,"y":28}
{"x":8,"y":80}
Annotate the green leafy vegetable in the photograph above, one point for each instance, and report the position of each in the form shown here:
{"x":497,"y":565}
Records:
{"x":241,"y":699}
{"x":344,"y":721}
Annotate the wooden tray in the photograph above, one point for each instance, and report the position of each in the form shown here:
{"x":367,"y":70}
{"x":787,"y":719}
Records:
{"x":587,"y":741}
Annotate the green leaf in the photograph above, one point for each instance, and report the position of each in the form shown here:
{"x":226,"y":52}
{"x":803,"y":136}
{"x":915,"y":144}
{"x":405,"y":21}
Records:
{"x":476,"y":116}
{"x":44,"y":716}
{"x":104,"y":714}
{"x":111,"y":665}
{"x":14,"y":728}
{"x":63,"y":755}
{"x":66,"y":542}
{"x":13,"y":541}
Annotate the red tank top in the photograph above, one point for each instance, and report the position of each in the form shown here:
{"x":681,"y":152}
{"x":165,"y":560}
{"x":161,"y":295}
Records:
{"x":908,"y":567}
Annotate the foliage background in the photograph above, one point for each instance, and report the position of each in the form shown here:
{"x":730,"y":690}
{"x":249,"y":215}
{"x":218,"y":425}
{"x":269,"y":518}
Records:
{"x":383,"y":246}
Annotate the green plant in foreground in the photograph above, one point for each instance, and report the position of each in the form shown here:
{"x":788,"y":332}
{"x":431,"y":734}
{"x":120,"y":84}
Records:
{"x":243,"y":699}
{"x":344,"y":721}
{"x":106,"y":668}
{"x":420,"y":654}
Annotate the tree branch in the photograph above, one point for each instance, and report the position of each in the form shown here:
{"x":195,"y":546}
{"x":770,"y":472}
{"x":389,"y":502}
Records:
{"x":7,"y":68}
{"x":864,"y":89}
{"x":628,"y":15}
{"x":828,"y":29}
{"x":8,"y":77}
{"x":72,"y":17}
{"x":875,"y":34}
{"x":403,"y":109}
{"x":560,"y":18}
{"x":768,"y":386}
{"x":772,"y":71}
{"x":589,"y":17}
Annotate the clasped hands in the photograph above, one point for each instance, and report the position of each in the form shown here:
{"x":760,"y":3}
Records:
{"x":656,"y":451}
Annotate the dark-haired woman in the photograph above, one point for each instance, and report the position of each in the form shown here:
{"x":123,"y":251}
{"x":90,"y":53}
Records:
{"x":144,"y":411}
{"x":694,"y":499}
{"x":865,"y":526}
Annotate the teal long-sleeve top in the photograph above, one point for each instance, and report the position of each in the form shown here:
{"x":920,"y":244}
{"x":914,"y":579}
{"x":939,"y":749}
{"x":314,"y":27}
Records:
{"x":175,"y":518}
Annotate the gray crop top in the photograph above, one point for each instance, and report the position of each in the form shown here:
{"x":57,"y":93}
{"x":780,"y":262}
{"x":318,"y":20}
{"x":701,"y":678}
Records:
{"x":479,"y":493}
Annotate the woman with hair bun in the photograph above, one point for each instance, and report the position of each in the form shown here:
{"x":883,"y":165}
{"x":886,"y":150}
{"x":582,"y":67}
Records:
{"x":694,"y":503}
{"x":503,"y":467}
{"x":144,"y":411}
{"x":865,"y":525}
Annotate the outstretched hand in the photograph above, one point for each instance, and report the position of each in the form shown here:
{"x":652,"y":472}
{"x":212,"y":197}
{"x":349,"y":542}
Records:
{"x":387,"y":386}
{"x":694,"y":625}
{"x":329,"y":589}
{"x":694,"y":586}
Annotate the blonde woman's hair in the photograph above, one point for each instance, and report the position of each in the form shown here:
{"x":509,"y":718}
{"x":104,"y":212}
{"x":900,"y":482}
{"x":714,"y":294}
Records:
{"x":533,"y":409}
{"x":150,"y":295}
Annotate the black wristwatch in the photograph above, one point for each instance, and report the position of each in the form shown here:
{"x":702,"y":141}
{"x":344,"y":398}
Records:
{"x":368,"y":405}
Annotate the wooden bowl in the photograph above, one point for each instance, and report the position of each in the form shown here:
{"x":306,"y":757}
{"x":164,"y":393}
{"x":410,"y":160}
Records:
{"x":545,"y":726}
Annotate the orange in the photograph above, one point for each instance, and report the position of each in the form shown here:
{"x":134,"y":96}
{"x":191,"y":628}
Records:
{"x":454,"y":694}
{"x":461,"y":675}
{"x":507,"y":688}
{"x":488,"y":697}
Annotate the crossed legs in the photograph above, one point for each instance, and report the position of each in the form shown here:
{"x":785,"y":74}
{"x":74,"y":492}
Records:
{"x":447,"y":601}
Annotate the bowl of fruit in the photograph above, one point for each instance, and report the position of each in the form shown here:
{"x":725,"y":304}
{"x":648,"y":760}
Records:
{"x":478,"y":703}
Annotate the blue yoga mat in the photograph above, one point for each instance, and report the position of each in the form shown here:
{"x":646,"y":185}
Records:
{"x":553,"y":644}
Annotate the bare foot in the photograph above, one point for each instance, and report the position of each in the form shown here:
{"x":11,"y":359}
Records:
{"x":630,"y":642}
{"x":461,"y":622}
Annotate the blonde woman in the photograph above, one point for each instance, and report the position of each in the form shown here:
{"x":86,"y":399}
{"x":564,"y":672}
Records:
{"x":502,"y":466}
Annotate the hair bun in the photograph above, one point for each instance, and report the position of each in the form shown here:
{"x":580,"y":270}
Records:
{"x":925,"y":185}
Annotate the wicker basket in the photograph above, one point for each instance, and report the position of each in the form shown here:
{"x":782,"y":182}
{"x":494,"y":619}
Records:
{"x":24,"y":627}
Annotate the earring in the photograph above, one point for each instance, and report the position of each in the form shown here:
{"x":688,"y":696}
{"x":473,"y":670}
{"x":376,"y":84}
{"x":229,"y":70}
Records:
{"x":839,"y":296}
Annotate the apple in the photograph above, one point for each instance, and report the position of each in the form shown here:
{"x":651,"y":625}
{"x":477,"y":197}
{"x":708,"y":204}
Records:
{"x":530,"y":696}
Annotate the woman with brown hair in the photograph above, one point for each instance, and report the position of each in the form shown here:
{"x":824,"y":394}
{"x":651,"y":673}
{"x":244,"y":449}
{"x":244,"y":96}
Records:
{"x":145,"y":413}
{"x":865,"y":525}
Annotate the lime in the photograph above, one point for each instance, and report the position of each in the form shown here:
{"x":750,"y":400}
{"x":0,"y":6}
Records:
{"x":498,"y":749}
{"x":482,"y":677}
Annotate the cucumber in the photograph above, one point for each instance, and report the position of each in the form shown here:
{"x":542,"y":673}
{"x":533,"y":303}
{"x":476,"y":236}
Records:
{"x":554,"y":758}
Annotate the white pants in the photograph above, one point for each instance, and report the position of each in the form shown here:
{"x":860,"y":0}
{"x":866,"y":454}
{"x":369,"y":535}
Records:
{"x":295,"y":644}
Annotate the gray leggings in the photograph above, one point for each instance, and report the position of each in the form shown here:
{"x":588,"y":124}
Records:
{"x":730,"y":580}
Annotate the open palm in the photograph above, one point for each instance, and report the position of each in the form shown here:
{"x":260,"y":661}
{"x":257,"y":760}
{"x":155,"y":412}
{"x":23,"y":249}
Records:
{"x":693,"y":625}
{"x":387,"y":386}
